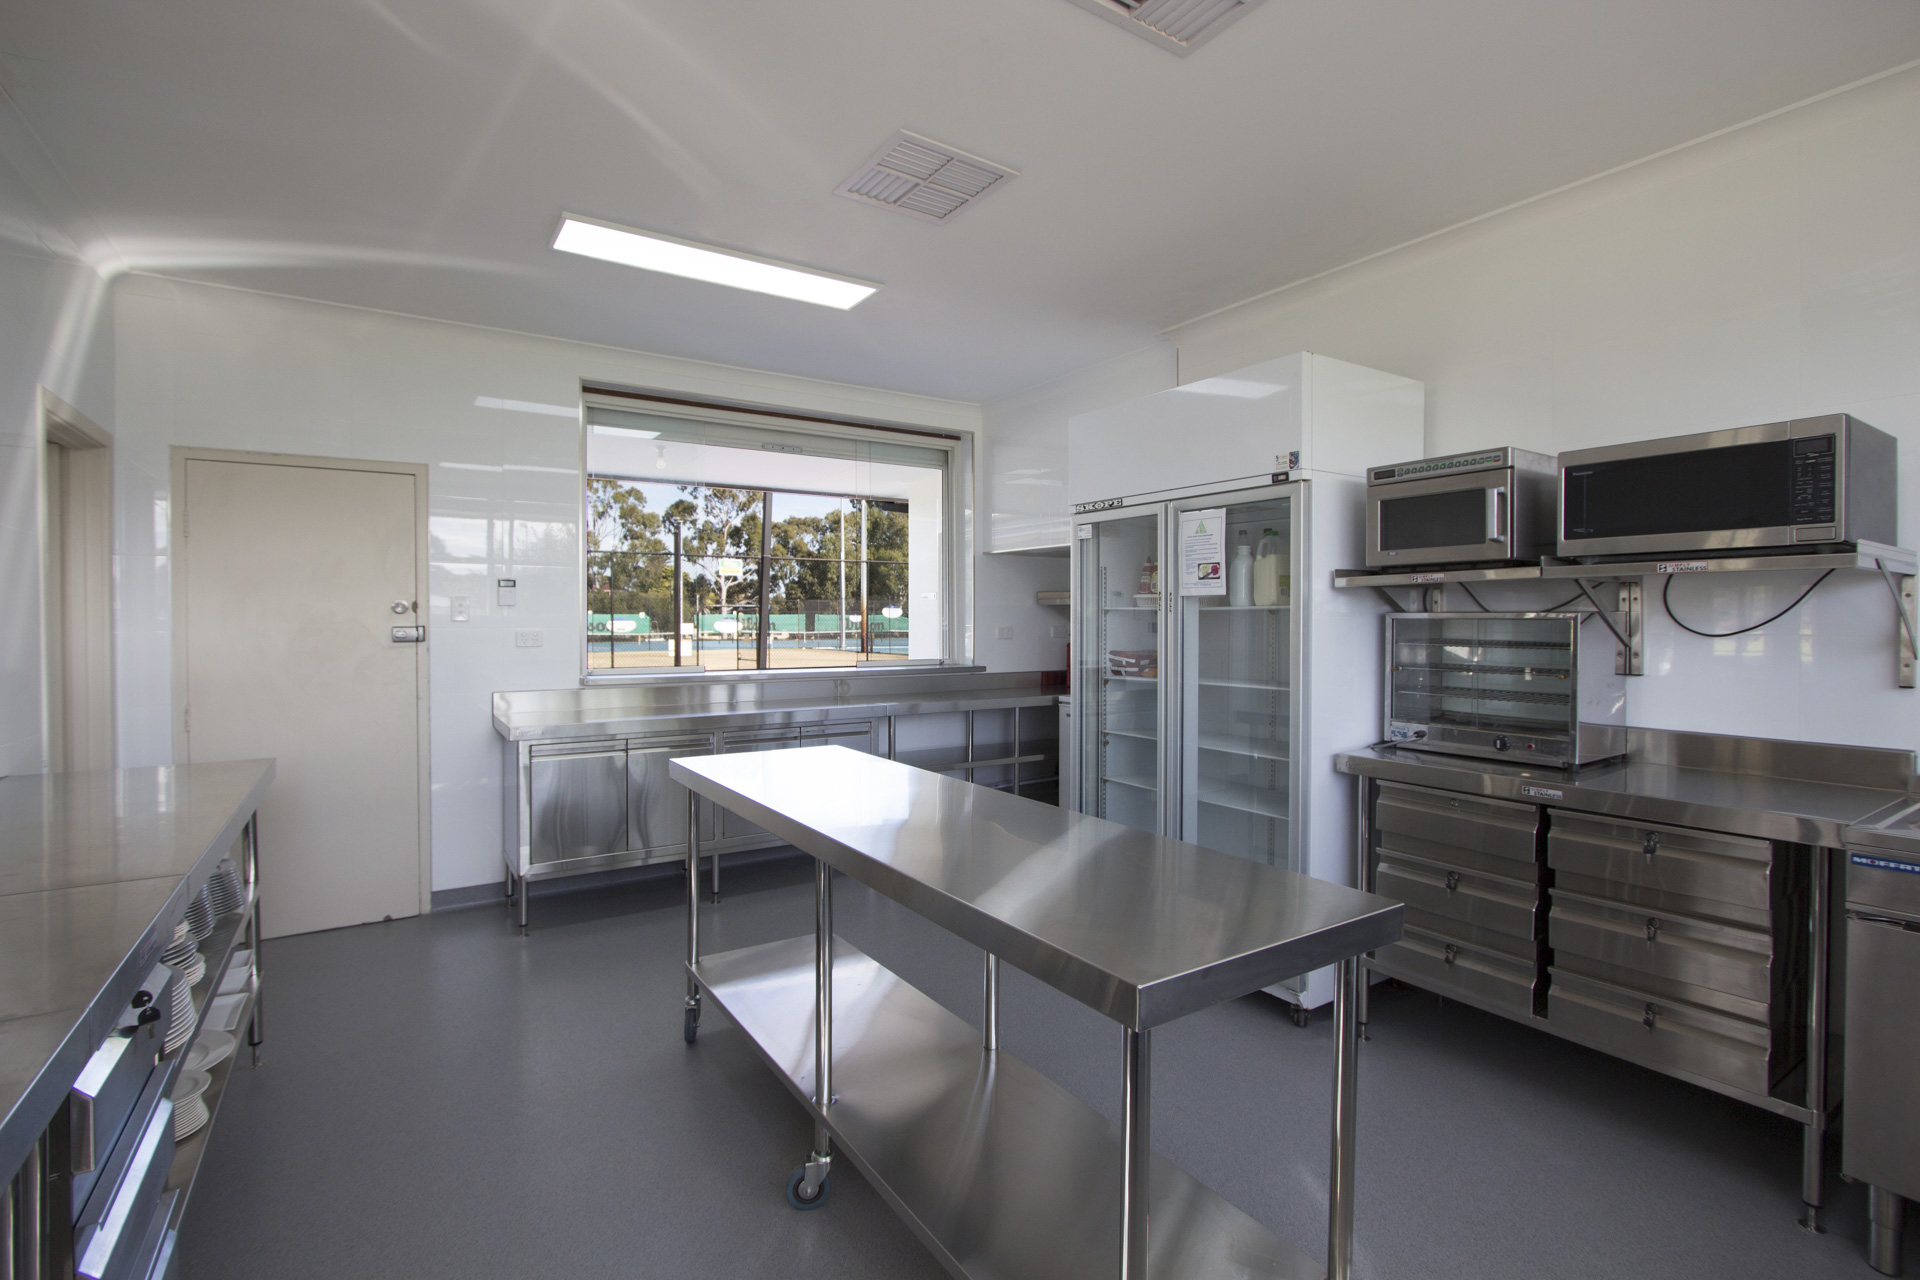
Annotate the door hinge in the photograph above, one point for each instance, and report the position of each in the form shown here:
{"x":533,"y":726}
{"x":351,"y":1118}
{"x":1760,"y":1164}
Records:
{"x":186,"y":719}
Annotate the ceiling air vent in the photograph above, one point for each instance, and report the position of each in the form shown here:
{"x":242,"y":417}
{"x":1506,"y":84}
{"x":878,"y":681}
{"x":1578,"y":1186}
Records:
{"x":1179,"y":25}
{"x":923,"y":178}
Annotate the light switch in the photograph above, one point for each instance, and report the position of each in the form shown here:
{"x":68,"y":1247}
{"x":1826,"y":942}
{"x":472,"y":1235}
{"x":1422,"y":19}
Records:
{"x":1004,"y":633}
{"x":505,"y":590}
{"x":526,"y":639}
{"x":461,"y":608}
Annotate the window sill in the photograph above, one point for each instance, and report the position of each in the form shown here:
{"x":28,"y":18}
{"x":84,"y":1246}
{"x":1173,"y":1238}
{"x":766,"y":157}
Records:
{"x":648,"y":675}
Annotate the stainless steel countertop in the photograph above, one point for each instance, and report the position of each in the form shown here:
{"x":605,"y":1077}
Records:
{"x":95,"y":869}
{"x":721,"y":702}
{"x":1141,"y":928}
{"x":1897,"y":832}
{"x":1739,"y":800}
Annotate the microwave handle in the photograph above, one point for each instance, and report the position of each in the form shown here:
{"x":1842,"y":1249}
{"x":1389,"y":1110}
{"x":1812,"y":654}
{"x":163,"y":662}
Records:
{"x":1497,"y":514}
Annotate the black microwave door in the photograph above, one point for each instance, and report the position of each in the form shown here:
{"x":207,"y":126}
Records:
{"x":1748,"y":486}
{"x":1430,"y":520}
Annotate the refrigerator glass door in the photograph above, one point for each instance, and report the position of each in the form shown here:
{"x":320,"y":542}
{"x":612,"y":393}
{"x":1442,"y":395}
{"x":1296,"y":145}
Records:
{"x":1118,"y":650}
{"x":1234,"y":672}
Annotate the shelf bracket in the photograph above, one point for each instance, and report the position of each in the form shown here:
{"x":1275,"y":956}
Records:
{"x":1633,"y":658}
{"x":1902,"y":588}
{"x":1433,"y":599}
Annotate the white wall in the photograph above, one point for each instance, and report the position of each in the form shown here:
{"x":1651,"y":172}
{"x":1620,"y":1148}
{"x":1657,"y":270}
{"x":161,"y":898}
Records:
{"x":55,"y":331}
{"x":227,"y":369}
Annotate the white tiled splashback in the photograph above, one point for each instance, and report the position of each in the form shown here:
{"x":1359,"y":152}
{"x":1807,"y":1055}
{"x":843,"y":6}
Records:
{"x":1769,"y":273}
{"x":225,"y":369}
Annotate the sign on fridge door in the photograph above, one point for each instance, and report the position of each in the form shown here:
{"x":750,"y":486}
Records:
{"x":1203,"y":552}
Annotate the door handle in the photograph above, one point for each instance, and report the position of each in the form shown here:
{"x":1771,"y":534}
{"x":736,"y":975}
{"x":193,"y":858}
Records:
{"x":409,"y":635}
{"x":1496,"y":516}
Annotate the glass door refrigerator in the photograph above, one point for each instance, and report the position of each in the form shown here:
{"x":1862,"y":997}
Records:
{"x":1216,"y":671}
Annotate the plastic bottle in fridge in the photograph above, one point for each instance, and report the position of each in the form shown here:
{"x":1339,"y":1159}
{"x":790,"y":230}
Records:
{"x":1269,"y":584}
{"x":1240,"y":574}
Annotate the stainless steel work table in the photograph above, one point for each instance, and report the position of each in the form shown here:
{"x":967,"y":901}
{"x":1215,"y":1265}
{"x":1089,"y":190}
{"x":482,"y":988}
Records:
{"x":95,"y":868}
{"x":1000,"y":1171}
{"x":1795,"y":793}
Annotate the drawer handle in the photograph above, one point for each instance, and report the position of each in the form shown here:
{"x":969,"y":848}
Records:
{"x":1653,"y":933}
{"x":1453,"y":881}
{"x":1452,"y":953}
{"x":1650,"y":845}
{"x":1649,"y":1015}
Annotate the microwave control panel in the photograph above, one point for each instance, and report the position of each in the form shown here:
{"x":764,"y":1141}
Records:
{"x":1813,"y":478}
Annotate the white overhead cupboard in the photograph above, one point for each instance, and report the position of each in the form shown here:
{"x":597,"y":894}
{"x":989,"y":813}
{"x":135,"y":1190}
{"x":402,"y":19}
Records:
{"x":1215,"y":671}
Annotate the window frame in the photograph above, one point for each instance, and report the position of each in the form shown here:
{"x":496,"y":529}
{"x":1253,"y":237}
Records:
{"x":957,"y":525}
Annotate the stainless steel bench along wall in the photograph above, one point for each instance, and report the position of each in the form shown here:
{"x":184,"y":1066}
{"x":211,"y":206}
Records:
{"x":584,"y":771}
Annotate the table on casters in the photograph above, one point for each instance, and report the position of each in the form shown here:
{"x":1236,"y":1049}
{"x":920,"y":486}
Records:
{"x":998,"y":1170}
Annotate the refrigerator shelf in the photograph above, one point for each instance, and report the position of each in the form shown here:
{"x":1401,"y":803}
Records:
{"x":1206,"y":609}
{"x":1242,"y":747}
{"x":1141,"y":784}
{"x":1220,"y":682}
{"x":1241,"y":796}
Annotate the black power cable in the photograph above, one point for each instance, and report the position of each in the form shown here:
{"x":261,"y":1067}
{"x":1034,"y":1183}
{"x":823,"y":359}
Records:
{"x":1667,"y":604}
{"x":1552,"y":608}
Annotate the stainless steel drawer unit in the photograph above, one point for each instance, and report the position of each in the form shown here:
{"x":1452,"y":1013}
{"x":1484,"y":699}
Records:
{"x":1469,"y":871}
{"x":1694,"y":925}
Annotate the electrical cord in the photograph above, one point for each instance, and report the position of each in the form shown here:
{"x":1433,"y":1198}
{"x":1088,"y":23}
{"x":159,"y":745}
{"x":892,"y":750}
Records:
{"x":1552,"y":608}
{"x":1667,"y":604}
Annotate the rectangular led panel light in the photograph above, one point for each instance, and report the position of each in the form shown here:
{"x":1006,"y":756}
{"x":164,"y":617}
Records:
{"x":651,"y":252}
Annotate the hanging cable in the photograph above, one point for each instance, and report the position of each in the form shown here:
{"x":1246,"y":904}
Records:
{"x":1476,"y":599}
{"x":1667,"y":604}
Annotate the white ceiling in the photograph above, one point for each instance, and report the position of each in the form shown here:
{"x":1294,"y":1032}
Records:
{"x":414,"y":155}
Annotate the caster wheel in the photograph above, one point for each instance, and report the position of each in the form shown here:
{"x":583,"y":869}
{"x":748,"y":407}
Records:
{"x":692,"y":1027}
{"x":1299,"y":1014}
{"x":798,"y":1179}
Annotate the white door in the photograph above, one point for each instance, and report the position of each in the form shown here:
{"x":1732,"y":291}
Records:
{"x":289,"y":578}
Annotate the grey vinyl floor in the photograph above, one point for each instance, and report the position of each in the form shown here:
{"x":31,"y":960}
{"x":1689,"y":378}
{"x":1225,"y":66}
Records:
{"x":440,"y":1097}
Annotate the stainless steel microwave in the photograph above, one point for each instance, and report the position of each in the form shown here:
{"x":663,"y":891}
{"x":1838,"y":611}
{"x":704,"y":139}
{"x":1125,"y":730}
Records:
{"x":1807,"y":483}
{"x":1483,"y":507}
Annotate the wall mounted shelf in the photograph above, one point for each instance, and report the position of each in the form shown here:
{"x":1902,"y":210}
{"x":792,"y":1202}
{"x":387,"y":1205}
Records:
{"x":1897,"y":566}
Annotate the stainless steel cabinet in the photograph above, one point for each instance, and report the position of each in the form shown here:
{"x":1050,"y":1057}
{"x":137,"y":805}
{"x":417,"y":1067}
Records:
{"x":579,"y":801}
{"x":657,"y":805}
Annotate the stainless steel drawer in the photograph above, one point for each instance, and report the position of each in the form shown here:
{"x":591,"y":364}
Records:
{"x":1482,"y":977}
{"x":1684,"y":956}
{"x":1700,"y":872}
{"x":1490,"y":836}
{"x":1490,"y":911}
{"x":1666,"y":1035}
{"x":1883,"y":880}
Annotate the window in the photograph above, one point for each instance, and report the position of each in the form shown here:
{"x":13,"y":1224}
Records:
{"x":720,"y":545}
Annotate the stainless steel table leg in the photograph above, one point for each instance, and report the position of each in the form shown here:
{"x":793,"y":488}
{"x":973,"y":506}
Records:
{"x":257,"y":1021}
{"x":692,"y":1020}
{"x":990,"y":1007}
{"x":1136,"y":1107}
{"x":1884,"y":1219}
{"x":1813,"y":1145}
{"x":715,"y":859}
{"x":813,"y":1174}
{"x":1363,"y":879}
{"x":1346,"y":1061}
{"x":30,"y":1224}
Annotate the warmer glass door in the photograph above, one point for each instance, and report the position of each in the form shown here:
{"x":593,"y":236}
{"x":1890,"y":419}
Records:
{"x":1501,"y":674}
{"x":1119,"y":648}
{"x":1235,"y":672}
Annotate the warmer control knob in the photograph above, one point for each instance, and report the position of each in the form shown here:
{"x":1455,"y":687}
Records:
{"x":1500,"y":743}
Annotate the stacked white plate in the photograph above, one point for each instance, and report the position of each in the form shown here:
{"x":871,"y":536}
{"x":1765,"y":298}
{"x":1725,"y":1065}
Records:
{"x":182,"y":1013}
{"x":189,"y":1107}
{"x":196,"y":969}
{"x":200,"y":917}
{"x":211,"y":1049}
{"x":223,"y":888}
{"x":180,"y":948}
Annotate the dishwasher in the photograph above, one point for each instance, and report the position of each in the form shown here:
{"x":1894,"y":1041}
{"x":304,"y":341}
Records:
{"x":1882,"y":1147}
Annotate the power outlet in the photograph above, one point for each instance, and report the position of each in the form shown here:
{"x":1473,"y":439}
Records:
{"x":461,"y":609}
{"x":526,"y":639}
{"x":1004,"y":633}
